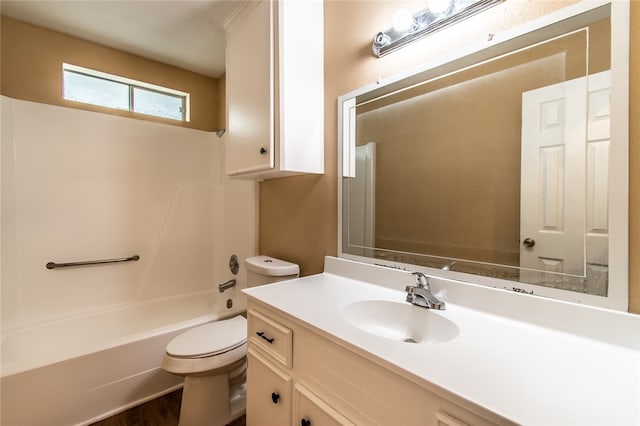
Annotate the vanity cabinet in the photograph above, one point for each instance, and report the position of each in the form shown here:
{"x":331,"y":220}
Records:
{"x":310,"y":410}
{"x":322,"y":381}
{"x":269,"y":396}
{"x":275,"y":90}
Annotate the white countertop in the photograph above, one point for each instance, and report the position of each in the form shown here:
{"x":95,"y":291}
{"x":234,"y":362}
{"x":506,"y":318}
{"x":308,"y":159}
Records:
{"x":525,"y":371}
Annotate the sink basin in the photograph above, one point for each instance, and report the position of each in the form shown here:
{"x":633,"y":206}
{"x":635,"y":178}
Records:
{"x":401,"y":322}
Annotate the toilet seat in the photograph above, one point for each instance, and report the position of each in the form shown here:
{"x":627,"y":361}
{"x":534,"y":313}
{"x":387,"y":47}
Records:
{"x":209,"y":339}
{"x":206,"y":348}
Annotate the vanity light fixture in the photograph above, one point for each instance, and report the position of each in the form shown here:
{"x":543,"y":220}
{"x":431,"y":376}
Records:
{"x":437,"y":15}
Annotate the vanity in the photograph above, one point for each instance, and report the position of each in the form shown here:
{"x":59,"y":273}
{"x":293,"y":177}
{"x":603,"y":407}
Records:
{"x":344,"y":347}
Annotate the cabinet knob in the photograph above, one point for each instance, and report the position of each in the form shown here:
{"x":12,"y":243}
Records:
{"x":275,"y":397}
{"x":263,"y":151}
{"x":305,"y":422}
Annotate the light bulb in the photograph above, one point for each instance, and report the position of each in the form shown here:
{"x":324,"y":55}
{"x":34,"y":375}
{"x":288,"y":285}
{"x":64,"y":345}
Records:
{"x":438,"y":6}
{"x":403,"y":20}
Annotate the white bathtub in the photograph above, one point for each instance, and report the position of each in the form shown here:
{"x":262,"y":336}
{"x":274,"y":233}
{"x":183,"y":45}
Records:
{"x":76,"y":371}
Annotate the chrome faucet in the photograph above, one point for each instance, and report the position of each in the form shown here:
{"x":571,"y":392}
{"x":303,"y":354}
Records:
{"x":222,"y":287}
{"x":421,"y":295}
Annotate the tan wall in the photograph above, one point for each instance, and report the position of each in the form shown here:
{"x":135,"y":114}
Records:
{"x":298,"y":214}
{"x":32,"y":60}
{"x":434,"y":139}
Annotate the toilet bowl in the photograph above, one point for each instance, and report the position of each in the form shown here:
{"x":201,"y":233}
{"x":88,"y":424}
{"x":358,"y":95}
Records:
{"x":212,"y":357}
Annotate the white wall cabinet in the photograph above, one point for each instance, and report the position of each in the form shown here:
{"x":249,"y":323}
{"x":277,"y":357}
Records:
{"x":275,"y":90}
{"x":320,"y":382}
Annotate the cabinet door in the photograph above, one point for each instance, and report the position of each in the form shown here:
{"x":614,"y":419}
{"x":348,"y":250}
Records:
{"x":309,"y":410}
{"x":250,"y":95}
{"x":268,"y":393}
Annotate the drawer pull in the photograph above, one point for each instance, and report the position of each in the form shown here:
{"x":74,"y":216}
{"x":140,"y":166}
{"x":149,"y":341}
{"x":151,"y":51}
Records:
{"x":261,"y":334}
{"x":275,"y":397}
{"x":305,"y":422}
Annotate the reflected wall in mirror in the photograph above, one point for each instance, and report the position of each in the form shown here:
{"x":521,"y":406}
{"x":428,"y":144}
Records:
{"x":493,"y":164}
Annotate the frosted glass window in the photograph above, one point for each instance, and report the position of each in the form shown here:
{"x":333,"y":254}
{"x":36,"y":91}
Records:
{"x":95,"y":91}
{"x":106,"y":90}
{"x":159,"y":104}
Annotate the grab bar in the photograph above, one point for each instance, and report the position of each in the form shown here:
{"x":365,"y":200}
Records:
{"x":53,"y":265}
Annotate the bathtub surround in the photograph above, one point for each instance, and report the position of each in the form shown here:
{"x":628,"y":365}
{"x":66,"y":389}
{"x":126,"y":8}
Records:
{"x":80,"y":185}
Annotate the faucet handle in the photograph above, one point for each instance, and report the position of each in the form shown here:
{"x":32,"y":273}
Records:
{"x":421,"y":279}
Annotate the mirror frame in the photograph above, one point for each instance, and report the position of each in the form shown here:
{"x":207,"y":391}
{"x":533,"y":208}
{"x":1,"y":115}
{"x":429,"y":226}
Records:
{"x":584,"y":11}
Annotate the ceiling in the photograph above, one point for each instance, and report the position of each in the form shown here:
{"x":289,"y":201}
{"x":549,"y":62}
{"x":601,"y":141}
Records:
{"x":184,"y":33}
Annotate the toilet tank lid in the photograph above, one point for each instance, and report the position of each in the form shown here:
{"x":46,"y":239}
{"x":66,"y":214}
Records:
{"x":271,"y":266}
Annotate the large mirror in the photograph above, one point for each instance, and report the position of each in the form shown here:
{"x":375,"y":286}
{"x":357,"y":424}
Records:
{"x":502,"y":163}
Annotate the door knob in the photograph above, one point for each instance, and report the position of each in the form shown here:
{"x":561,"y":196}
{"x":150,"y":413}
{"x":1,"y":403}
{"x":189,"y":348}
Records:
{"x":529,"y":242}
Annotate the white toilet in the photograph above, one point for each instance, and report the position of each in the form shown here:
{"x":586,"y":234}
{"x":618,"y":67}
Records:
{"x":212,"y":357}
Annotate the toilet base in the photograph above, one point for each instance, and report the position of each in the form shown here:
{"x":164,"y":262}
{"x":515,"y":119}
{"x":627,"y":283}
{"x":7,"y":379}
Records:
{"x":206,"y":401}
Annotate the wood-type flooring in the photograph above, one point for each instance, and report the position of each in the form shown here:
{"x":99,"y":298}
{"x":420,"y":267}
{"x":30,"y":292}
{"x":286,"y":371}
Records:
{"x":163,"y":411}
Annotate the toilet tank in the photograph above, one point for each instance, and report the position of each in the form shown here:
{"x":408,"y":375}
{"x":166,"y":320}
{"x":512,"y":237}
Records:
{"x":267,"y":270}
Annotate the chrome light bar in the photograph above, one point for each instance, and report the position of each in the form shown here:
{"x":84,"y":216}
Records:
{"x":426,"y":22}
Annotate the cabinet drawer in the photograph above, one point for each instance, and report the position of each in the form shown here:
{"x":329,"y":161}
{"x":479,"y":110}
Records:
{"x":268,"y":392}
{"x":309,"y":410}
{"x":274,"y":338}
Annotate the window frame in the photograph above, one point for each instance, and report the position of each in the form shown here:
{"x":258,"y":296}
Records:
{"x":132,"y":85}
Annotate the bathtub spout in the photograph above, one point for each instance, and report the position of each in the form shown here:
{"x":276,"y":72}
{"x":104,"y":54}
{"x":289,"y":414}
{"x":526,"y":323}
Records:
{"x":231,"y":283}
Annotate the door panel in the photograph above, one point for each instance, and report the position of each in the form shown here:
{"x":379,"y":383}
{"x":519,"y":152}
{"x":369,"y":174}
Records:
{"x":552,"y":215}
{"x":564,"y":181}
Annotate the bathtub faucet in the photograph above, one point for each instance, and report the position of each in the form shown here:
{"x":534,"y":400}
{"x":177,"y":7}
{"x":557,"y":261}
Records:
{"x":224,"y":286}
